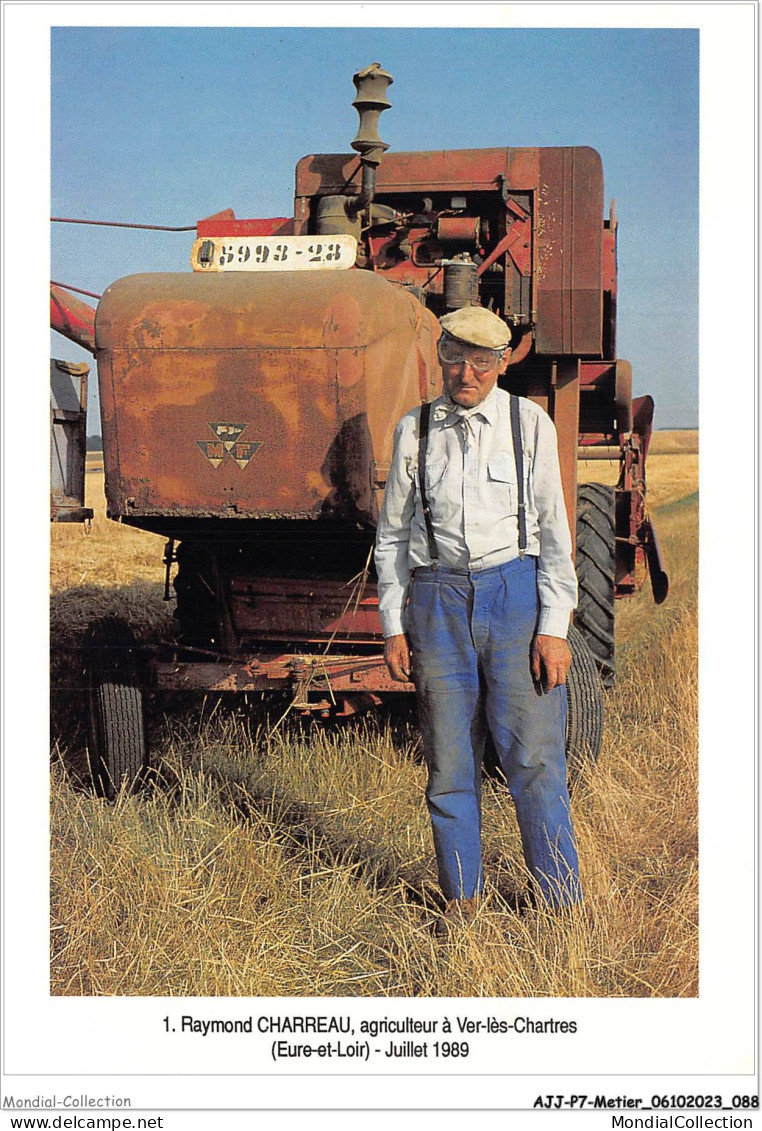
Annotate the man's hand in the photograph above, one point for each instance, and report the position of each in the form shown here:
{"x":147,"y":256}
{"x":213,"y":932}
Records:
{"x":551,"y":660}
{"x":397,"y":657}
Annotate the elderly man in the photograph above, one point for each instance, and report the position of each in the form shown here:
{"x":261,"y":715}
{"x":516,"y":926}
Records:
{"x":476,"y":587}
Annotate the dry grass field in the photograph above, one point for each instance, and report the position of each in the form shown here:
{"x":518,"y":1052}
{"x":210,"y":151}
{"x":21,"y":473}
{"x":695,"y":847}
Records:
{"x":299,"y":862}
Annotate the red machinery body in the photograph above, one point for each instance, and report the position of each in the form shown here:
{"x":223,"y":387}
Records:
{"x":250,"y":416}
{"x":523,"y":204}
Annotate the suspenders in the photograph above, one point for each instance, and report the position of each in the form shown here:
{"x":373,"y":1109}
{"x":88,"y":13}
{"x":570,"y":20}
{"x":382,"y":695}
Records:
{"x":423,"y":439}
{"x":518,"y":452}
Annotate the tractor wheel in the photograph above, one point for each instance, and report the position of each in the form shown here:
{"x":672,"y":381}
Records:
{"x":584,"y":697}
{"x":596,"y":548}
{"x":118,"y":750}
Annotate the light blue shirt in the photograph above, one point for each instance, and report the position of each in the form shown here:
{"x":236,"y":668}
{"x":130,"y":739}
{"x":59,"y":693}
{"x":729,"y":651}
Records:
{"x":472,"y":489}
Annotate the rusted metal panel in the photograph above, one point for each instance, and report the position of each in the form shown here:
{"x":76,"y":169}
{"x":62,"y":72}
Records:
{"x":565,"y":413}
{"x":596,"y":372}
{"x":68,"y":441}
{"x":256,"y":396}
{"x":223,"y":225}
{"x":305,"y":610}
{"x":568,"y":253}
{"x":448,"y":170}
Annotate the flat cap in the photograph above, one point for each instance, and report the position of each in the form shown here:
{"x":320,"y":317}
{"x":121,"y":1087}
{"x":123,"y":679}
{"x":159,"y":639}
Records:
{"x":477,"y":326}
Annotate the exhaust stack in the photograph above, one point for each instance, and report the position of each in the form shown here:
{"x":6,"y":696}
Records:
{"x":371,"y":84}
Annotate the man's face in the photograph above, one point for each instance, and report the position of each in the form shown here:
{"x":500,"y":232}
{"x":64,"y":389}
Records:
{"x":465,"y":379}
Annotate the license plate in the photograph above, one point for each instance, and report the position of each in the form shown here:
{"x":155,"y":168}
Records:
{"x":273,"y":253}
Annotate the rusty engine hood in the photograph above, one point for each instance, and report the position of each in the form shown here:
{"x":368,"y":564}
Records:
{"x":256,"y":396}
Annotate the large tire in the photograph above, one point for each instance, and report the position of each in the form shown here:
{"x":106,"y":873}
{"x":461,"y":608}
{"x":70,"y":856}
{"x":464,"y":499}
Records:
{"x":596,"y":549}
{"x":584,"y":697}
{"x":118,"y":750}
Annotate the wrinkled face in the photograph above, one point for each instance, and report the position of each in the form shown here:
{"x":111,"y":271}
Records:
{"x":470,"y":373}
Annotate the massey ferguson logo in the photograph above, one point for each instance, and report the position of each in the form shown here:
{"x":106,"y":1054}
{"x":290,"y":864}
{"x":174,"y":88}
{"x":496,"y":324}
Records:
{"x":228,"y":442}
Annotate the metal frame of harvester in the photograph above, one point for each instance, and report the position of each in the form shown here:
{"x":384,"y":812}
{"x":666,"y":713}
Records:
{"x":248,"y":414}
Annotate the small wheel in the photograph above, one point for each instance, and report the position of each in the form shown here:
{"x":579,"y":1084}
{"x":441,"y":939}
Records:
{"x":584,"y":698}
{"x":596,"y":550}
{"x":118,"y":750}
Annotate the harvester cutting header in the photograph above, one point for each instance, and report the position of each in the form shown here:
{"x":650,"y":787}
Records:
{"x":248,"y":406}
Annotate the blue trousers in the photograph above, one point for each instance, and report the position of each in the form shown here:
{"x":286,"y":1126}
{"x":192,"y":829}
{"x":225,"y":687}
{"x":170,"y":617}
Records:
{"x":471,"y":634}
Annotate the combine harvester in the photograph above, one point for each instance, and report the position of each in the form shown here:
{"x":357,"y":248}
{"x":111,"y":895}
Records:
{"x":248,"y":410}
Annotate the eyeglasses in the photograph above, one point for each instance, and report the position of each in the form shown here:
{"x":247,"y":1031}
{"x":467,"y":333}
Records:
{"x":455,"y":353}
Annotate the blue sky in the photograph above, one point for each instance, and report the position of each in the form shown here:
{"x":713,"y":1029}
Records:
{"x":167,"y":125}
